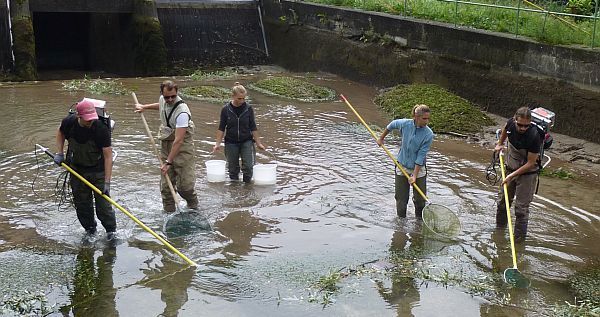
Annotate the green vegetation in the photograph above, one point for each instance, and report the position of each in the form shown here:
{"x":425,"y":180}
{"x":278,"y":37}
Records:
{"x":539,"y":26}
{"x":24,"y":48}
{"x":585,"y":285}
{"x":449,"y":113}
{"x":26,"y":304}
{"x":557,"y":173}
{"x":293,"y":88}
{"x":149,"y":46}
{"x":579,"y":309}
{"x":214,"y":94}
{"x":214,"y":75}
{"x":96,"y":86}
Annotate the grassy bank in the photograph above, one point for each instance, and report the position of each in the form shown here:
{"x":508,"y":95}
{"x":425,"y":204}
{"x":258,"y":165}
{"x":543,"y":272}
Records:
{"x":538,"y":26}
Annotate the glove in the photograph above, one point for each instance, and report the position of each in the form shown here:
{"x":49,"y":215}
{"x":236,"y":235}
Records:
{"x":59,"y":158}
{"x":106,"y":189}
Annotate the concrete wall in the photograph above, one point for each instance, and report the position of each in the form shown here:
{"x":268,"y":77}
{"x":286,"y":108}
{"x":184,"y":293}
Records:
{"x":212,"y":33}
{"x":97,"y":6}
{"x":497,"y":72}
{"x":5,"y":45}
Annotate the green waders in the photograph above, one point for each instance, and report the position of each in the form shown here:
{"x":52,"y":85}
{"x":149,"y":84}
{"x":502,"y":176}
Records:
{"x":85,"y":157}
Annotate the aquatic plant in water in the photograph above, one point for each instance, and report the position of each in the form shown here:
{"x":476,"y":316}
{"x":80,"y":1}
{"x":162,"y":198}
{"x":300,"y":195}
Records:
{"x":214,"y":94}
{"x":557,"y":173}
{"x":214,"y":75}
{"x":293,"y":88}
{"x":26,"y":303}
{"x":449,"y":112}
{"x":96,"y":86}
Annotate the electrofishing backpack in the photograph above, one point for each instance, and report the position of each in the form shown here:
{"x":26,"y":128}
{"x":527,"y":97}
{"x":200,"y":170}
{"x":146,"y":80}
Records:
{"x":103,"y":116}
{"x":543,"y":120}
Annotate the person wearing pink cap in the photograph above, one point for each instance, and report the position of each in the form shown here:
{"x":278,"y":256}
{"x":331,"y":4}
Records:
{"x":89,"y":153}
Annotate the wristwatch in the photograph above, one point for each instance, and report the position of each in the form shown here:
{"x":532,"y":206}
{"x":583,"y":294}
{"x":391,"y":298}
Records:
{"x":168,"y":163}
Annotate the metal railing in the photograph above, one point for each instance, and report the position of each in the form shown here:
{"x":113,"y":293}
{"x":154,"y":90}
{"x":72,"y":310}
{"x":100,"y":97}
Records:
{"x":519,"y":9}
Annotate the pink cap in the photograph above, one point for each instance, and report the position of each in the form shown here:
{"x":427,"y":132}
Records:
{"x":86,"y":110}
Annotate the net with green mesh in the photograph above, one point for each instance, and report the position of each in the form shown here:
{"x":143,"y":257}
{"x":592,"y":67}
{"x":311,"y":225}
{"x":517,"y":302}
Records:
{"x":441,"y":221}
{"x":185,"y":223}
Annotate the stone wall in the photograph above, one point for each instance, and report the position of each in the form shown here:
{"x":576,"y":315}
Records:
{"x":497,"y":72}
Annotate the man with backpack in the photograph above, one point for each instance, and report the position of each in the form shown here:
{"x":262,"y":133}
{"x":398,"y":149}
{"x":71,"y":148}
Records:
{"x":90,"y":154}
{"x":176,"y":135}
{"x":524,"y":146}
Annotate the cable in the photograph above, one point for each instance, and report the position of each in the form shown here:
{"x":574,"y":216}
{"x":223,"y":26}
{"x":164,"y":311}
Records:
{"x":491,"y":172}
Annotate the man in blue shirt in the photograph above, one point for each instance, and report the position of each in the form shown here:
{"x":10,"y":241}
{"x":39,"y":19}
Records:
{"x":416,"y":141}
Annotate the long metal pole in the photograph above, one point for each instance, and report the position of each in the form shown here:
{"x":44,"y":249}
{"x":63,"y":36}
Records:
{"x":114,"y":203}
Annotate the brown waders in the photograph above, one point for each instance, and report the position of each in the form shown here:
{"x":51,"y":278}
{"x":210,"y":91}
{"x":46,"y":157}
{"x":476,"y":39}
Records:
{"x":182,"y":175}
{"x":520,"y":193}
{"x":183,"y":171}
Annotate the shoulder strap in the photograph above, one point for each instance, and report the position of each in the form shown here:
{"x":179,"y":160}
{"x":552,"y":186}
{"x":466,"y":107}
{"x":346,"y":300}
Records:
{"x":171,"y":113}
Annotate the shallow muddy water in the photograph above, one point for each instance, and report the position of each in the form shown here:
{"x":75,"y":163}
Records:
{"x":331,"y":210}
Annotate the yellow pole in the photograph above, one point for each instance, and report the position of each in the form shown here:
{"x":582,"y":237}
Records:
{"x":506,"y":202}
{"x":149,"y":133}
{"x":384,"y":148}
{"x":557,"y":17}
{"x":114,"y":203}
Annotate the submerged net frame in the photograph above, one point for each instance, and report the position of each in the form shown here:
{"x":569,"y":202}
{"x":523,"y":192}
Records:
{"x":441,"y":221}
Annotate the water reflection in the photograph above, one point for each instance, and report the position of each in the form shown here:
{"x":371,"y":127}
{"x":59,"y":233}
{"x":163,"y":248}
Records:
{"x":173,"y":283}
{"x":93,"y":292}
{"x":403,"y":293}
{"x":240,"y":227}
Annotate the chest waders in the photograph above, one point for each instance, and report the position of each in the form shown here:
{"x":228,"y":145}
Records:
{"x":182,"y":173}
{"x":84,"y":155}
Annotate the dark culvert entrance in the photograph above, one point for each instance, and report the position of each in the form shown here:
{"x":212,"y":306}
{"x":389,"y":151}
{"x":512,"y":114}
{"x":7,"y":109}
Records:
{"x":62,"y":41}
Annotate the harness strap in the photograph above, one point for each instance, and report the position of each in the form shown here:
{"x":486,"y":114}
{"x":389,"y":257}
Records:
{"x":171,"y":113}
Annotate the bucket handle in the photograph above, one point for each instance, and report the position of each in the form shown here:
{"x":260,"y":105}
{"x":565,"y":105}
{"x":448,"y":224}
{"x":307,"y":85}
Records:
{"x":272,"y":155}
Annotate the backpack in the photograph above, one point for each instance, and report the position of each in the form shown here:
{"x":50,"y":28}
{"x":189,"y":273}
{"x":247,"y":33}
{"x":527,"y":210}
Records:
{"x":543,"y":120}
{"x":103,"y":116}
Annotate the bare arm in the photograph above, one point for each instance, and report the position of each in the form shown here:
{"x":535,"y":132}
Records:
{"x":383,"y":135}
{"x":60,"y":141}
{"x":531,"y":162}
{"x":107,"y":152}
{"x":141,"y":107}
{"x":500,"y":144}
{"x":256,"y":138}
{"x":177,"y":143}
{"x":219,"y":139}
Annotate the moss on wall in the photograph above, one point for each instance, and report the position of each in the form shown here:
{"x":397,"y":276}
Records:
{"x":24,"y":48}
{"x":149,"y":46}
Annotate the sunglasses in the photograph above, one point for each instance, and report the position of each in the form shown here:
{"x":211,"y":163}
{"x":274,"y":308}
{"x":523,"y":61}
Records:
{"x":523,"y":125}
{"x":170,"y":97}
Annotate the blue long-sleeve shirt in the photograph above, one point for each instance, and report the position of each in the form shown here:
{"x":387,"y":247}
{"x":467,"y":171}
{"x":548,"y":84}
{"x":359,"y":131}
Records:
{"x":416,"y":142}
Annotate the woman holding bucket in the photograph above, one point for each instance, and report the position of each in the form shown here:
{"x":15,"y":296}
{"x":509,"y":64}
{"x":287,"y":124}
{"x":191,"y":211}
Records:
{"x":238,"y":126}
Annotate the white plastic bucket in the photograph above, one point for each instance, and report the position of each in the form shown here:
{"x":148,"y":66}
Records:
{"x":265,"y":174}
{"x":215,"y":171}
